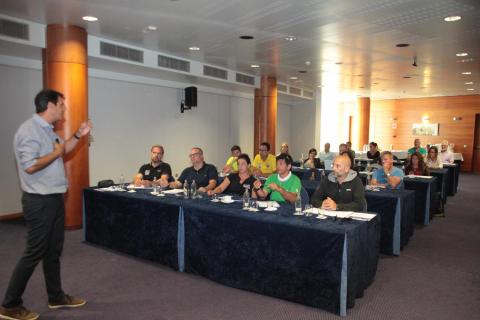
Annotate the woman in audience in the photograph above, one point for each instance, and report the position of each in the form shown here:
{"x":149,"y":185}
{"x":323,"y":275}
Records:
{"x":312,"y":162}
{"x":373,"y":153}
{"x":416,"y":166}
{"x":433,"y":160}
{"x":236,"y":183}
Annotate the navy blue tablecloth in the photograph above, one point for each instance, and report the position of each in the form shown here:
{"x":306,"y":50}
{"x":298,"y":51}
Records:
{"x":322,"y":263}
{"x":397,"y":212}
{"x":453,"y":175}
{"x":442,"y":182}
{"x":425,"y":190}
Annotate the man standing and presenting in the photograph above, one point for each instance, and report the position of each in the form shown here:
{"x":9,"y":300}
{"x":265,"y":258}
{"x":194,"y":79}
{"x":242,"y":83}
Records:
{"x":39,"y":154}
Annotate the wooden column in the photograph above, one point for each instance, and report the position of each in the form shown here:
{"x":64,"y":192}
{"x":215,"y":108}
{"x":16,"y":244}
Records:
{"x":362,"y":122}
{"x":265,"y":127}
{"x":66,"y":70}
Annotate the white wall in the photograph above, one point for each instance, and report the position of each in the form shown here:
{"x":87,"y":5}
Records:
{"x":138,"y":116}
{"x":283,"y":126}
{"x":302,"y":123}
{"x":18,"y":90}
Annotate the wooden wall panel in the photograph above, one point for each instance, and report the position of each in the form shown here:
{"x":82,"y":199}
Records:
{"x":404,"y":112}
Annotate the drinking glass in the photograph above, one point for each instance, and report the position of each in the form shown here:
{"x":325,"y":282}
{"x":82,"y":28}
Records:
{"x":307,"y":207}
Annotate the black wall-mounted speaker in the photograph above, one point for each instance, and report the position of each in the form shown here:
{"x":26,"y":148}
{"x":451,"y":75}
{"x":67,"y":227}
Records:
{"x":191,"y":96}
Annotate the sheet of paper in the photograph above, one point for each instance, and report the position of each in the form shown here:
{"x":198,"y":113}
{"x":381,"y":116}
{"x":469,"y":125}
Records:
{"x":266,"y":204}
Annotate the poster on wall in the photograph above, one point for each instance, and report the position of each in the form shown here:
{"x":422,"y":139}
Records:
{"x":425,"y":129}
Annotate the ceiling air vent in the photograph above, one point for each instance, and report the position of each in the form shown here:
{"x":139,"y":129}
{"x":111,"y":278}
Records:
{"x":295,"y":91}
{"x":307,"y":93}
{"x":243,"y":78}
{"x":124,"y":53}
{"x":14,"y":29}
{"x":172,"y":63}
{"x":281,"y":87}
{"x":214,"y":72}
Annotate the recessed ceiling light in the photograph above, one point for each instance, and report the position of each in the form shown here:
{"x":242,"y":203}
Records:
{"x":466,"y":73}
{"x":470,"y":89}
{"x":302,"y":71}
{"x":246,"y":37}
{"x":462,"y":54}
{"x":193,"y":48}
{"x":152,"y":28}
{"x":465,"y":60}
{"x":402,"y":45}
{"x":307,"y":63}
{"x":254,"y":66}
{"x":452,"y":18}
{"x":319,"y":86}
{"x":290,"y":38}
{"x":293,"y":78}
{"x":90,"y":18}
{"x":469,"y":82}
{"x":406,"y":77}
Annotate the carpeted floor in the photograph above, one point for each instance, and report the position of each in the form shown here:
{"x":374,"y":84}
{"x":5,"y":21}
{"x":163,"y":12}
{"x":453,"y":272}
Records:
{"x":436,"y":277}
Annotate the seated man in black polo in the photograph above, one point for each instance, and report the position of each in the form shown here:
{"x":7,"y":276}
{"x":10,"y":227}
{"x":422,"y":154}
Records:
{"x":342,"y":190}
{"x":156,"y":170}
{"x":204,"y":174}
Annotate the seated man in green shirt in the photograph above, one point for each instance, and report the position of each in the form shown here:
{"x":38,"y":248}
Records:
{"x":283,"y":185}
{"x":417,"y":148}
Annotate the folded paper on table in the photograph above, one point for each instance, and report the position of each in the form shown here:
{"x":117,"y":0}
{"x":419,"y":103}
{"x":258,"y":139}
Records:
{"x":414,"y":176}
{"x":266,"y":204}
{"x":173,"y":191}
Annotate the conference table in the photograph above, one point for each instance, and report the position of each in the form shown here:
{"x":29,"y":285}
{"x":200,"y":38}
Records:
{"x":397,"y":215}
{"x":453,"y":176}
{"x":443,"y":181}
{"x":321,"y":263}
{"x":425,"y":195}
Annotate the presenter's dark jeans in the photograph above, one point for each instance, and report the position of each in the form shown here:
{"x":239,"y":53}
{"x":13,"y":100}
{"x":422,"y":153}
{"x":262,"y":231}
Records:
{"x":44,"y":217}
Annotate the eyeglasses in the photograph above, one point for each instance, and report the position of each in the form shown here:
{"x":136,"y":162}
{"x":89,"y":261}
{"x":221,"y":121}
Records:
{"x":194,"y":154}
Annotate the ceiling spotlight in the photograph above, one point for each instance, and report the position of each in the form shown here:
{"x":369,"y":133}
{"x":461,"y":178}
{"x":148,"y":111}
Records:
{"x":319,"y":86}
{"x":470,"y":82}
{"x":307,"y":63}
{"x":193,"y":48}
{"x":465,"y":60}
{"x":293,"y":78}
{"x":90,"y":18}
{"x":470,"y":89}
{"x":462,"y":54}
{"x":290,"y":38}
{"x":152,"y":28}
{"x":414,"y":61}
{"x":452,"y":18}
{"x":466,"y":73}
{"x":254,"y":66}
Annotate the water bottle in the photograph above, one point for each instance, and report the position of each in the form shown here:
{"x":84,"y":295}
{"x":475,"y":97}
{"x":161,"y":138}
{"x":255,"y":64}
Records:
{"x":298,"y":203}
{"x":246,"y":199}
{"x":155,"y":186}
{"x":194,"y":190}
{"x":186,"y":190}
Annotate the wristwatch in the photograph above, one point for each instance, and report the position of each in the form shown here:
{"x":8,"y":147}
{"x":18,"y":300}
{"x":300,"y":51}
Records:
{"x":388,"y":174}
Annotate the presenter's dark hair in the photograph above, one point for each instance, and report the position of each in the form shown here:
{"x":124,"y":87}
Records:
{"x":44,"y":97}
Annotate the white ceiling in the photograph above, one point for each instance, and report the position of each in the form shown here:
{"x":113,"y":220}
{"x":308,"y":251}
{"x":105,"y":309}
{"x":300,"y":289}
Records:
{"x":359,"y":34}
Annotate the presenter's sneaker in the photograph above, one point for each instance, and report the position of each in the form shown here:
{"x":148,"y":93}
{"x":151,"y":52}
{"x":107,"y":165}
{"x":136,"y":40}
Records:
{"x":17,"y":313}
{"x":66,"y":302}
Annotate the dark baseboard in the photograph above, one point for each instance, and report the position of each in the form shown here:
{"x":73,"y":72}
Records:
{"x":11,"y":216}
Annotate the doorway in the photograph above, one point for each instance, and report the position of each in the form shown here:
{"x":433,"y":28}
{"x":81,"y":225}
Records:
{"x":476,"y":146}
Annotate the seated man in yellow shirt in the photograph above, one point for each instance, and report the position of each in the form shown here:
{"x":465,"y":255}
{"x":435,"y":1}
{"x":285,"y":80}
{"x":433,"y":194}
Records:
{"x":264,"y":163}
{"x":232,"y":165}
